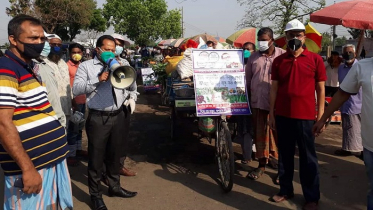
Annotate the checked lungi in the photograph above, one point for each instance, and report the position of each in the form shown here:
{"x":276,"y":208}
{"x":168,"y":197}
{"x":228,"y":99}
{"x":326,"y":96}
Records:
{"x":264,"y":138}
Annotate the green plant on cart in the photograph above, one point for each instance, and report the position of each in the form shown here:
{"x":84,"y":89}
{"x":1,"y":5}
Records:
{"x":160,"y":73}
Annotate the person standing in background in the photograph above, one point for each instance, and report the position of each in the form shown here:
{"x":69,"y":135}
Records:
{"x":258,"y":70}
{"x":350,"y":110}
{"x":74,"y":133}
{"x":61,"y":71}
{"x":331,"y":66}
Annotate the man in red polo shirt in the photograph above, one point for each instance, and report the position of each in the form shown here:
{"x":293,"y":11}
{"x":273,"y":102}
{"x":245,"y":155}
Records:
{"x":296,"y":75}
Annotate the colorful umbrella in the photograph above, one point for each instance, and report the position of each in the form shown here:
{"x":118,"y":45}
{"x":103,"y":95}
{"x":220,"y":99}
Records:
{"x":220,"y":39}
{"x":166,"y":42}
{"x":205,"y":37}
{"x":351,"y":14}
{"x":313,"y":39}
{"x":242,"y":36}
{"x":177,"y":42}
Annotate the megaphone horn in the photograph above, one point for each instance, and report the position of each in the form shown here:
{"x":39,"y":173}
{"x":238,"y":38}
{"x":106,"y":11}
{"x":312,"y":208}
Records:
{"x":121,"y":77}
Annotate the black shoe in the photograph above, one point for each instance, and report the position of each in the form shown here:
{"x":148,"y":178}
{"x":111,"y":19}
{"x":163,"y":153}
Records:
{"x":98,"y":204}
{"x":120,"y":192}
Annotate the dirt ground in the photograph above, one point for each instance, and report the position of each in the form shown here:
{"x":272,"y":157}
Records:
{"x":182,"y":174}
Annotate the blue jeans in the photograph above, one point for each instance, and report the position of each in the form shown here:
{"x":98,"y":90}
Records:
{"x":74,"y":138}
{"x":368,"y":160}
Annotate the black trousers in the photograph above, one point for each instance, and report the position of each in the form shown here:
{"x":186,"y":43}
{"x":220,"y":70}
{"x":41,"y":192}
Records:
{"x":105,"y":145}
{"x":291,"y":132}
{"x":126,"y":132}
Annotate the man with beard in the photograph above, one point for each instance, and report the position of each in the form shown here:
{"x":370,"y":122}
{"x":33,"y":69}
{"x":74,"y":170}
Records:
{"x":296,"y":75}
{"x":61,"y":71}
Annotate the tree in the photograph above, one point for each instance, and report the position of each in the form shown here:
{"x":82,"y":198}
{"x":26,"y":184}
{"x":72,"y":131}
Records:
{"x":340,"y":41}
{"x":63,"y":17}
{"x":21,"y":7}
{"x":171,"y":25}
{"x":326,"y":40}
{"x":279,"y":12}
{"x":143,"y":21}
{"x":355,"y":33}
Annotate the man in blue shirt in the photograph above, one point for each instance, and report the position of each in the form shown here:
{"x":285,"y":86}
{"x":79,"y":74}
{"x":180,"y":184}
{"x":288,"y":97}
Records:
{"x":350,"y":110}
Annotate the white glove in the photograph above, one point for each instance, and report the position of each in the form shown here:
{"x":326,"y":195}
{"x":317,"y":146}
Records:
{"x":131,"y":103}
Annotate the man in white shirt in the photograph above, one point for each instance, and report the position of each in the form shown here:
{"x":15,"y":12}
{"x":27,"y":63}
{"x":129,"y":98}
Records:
{"x":360,"y":76}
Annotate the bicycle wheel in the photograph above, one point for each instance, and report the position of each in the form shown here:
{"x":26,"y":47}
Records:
{"x":224,"y":155}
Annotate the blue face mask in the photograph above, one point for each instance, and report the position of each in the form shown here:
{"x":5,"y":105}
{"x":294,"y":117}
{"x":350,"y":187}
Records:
{"x":118,"y":50}
{"x":46,"y":50}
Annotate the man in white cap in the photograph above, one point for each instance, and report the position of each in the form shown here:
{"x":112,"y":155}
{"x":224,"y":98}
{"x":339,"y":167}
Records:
{"x":296,"y":75}
{"x":61,"y":72}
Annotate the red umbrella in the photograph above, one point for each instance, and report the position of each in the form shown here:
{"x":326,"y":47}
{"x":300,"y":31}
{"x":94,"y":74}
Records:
{"x":351,"y":14}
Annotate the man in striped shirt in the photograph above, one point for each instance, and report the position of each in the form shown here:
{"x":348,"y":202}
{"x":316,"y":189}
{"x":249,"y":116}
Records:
{"x":33,"y":142}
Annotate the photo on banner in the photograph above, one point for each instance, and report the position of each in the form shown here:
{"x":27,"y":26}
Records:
{"x":219,"y":83}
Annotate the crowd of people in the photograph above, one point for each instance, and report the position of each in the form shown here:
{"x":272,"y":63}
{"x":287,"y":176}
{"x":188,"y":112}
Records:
{"x":43,"y":100}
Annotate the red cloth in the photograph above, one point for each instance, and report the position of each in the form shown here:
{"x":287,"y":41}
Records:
{"x":297,"y":78}
{"x":80,"y":99}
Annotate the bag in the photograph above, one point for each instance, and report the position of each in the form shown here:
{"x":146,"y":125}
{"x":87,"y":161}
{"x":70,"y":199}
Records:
{"x":172,"y":62}
{"x":206,"y":124}
{"x":185,"y":66}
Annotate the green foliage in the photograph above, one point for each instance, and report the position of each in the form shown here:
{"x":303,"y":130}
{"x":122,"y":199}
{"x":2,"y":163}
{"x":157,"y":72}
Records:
{"x":98,"y":22}
{"x":64,"y":17}
{"x":143,"y":21}
{"x":326,"y":39}
{"x":279,"y":12}
{"x":340,"y":41}
{"x":160,"y":72}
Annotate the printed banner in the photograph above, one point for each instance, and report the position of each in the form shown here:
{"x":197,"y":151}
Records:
{"x":219,"y":83}
{"x":149,"y":79}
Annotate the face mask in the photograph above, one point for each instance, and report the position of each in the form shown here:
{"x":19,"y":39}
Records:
{"x":263,"y":45}
{"x":105,"y":56}
{"x":32,"y":50}
{"x":46,"y":49}
{"x":56,"y":50}
{"x":246,"y":53}
{"x":118,"y":50}
{"x":294,"y":44}
{"x":76,"y":57}
{"x":349,"y":57}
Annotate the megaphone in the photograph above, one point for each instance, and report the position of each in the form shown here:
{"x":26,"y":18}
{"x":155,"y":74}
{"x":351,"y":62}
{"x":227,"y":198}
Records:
{"x":121,"y":77}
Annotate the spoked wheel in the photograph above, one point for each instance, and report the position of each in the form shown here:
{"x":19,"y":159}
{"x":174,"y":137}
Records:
{"x":224,"y":155}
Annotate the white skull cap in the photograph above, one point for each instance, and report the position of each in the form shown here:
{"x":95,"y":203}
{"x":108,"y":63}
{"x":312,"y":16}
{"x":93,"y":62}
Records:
{"x":295,"y":25}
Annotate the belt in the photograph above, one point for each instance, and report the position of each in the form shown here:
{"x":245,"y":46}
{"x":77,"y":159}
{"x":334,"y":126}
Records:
{"x":106,"y":113}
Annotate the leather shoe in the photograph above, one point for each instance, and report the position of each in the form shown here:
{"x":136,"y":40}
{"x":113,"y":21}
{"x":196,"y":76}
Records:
{"x":98,"y":204}
{"x":125,"y":172}
{"x":120,"y":192}
{"x":310,"y":206}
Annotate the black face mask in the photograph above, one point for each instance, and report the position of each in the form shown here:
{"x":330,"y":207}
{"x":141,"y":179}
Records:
{"x":32,"y":50}
{"x":348,"y":56}
{"x":294,"y":44}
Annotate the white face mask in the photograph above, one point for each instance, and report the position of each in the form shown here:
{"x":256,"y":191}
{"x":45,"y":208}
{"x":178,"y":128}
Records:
{"x":263,"y":45}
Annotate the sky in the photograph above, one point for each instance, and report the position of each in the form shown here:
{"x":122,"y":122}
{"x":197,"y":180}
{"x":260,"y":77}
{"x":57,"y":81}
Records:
{"x":215,"y":17}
